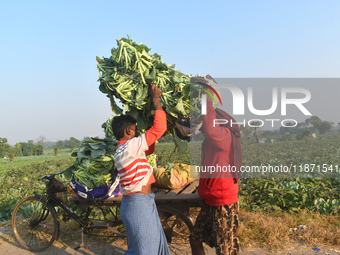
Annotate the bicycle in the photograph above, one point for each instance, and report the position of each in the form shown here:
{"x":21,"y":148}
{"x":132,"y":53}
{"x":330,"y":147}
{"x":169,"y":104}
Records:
{"x":36,"y":224}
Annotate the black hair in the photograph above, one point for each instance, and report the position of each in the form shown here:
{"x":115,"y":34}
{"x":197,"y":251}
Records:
{"x":121,"y":123}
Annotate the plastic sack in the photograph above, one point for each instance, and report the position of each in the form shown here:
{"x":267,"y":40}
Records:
{"x":101,"y":192}
{"x":185,"y":128}
{"x":178,"y":177}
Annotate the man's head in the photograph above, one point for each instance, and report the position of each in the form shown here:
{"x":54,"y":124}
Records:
{"x":124,"y":127}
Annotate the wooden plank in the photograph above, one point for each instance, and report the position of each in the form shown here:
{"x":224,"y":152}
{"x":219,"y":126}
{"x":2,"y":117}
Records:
{"x":175,"y":191}
{"x":183,"y":193}
{"x":116,"y":199}
{"x":173,"y":194}
{"x":160,"y":193}
{"x":196,"y":182}
{"x":180,"y":197}
{"x":191,"y":188}
{"x":177,"y":197}
{"x":95,"y":202}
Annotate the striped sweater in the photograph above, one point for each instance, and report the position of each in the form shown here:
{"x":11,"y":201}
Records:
{"x":130,"y":157}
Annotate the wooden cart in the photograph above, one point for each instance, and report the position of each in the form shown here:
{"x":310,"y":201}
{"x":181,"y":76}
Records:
{"x":36,"y":222}
{"x":181,"y":199}
{"x":173,"y":208}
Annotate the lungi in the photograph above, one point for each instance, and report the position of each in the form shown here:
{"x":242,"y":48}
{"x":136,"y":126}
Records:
{"x":143,"y":227}
{"x":218,"y":226}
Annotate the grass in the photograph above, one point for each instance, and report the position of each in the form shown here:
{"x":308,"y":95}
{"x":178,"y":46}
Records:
{"x":276,"y":231}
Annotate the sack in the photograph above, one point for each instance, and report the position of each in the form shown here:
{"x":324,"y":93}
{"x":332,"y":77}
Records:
{"x":101,"y":192}
{"x":178,"y":177}
{"x":186,"y":127}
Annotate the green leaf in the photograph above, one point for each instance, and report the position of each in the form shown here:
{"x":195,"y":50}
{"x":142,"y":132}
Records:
{"x":176,"y":78}
{"x":103,"y":88}
{"x":179,"y":108}
{"x":97,"y":146}
{"x":168,"y":166}
{"x":99,"y":60}
{"x":114,"y":106}
{"x":150,"y":76}
{"x":162,"y":67}
{"x":134,"y":113}
{"x":68,"y":172}
{"x":97,"y":153}
{"x":141,"y":95}
{"x":180,"y":144}
{"x":127,"y":108}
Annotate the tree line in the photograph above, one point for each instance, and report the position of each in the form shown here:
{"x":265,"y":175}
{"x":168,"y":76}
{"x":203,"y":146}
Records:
{"x":303,"y":130}
{"x":20,"y":149}
{"x":30,"y":148}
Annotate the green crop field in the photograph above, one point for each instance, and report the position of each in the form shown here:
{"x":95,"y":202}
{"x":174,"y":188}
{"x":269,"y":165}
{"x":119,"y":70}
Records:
{"x":6,"y":164}
{"x":21,"y":178}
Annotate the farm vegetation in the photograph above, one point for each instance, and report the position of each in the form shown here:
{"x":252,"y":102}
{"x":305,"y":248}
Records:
{"x":256,"y":194}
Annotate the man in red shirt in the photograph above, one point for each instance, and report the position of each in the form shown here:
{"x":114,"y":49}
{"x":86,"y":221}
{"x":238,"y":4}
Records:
{"x":217,"y":222}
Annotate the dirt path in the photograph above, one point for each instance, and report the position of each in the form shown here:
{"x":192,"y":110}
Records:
{"x":8,"y":245}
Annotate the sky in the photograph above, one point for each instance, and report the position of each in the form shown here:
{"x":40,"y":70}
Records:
{"x":48,"y":75}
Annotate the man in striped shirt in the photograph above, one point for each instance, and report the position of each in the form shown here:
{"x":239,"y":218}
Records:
{"x":138,"y":210}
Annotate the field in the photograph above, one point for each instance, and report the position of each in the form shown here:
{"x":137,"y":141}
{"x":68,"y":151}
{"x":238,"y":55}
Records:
{"x":5,"y":164}
{"x":265,"y":202}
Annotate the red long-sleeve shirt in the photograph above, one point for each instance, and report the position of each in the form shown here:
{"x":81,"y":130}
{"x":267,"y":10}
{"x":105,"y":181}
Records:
{"x":216,"y":188}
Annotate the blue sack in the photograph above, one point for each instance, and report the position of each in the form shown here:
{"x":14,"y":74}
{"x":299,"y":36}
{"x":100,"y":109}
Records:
{"x":101,"y":192}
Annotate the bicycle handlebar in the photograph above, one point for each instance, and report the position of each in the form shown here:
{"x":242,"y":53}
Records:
{"x":51,"y":176}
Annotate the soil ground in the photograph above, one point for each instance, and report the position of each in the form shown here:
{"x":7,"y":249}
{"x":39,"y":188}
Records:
{"x":8,"y":245}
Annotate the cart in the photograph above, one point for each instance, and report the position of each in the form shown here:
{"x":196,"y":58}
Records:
{"x":36,"y":223}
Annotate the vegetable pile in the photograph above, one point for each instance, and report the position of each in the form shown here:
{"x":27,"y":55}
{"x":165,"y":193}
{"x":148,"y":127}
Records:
{"x":94,"y":163}
{"x":126,"y":75}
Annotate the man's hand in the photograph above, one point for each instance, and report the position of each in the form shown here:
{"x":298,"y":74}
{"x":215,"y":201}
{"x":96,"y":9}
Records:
{"x":156,"y":94}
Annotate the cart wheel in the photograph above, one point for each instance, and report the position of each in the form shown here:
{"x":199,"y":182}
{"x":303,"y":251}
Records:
{"x":35,"y":224}
{"x":177,"y":228}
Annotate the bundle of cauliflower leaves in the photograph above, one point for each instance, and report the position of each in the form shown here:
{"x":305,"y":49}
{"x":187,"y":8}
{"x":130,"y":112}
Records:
{"x":94,"y":162}
{"x":126,"y":75}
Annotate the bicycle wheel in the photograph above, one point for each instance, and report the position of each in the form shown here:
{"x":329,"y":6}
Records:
{"x":177,"y":228}
{"x":35,"y":224}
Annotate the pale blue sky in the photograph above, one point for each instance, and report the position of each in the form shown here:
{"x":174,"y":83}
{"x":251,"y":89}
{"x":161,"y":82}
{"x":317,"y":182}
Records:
{"x":48,"y":76}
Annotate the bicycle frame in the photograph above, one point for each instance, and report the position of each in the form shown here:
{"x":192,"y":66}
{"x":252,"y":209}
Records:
{"x":177,"y":226}
{"x":57,"y":202}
